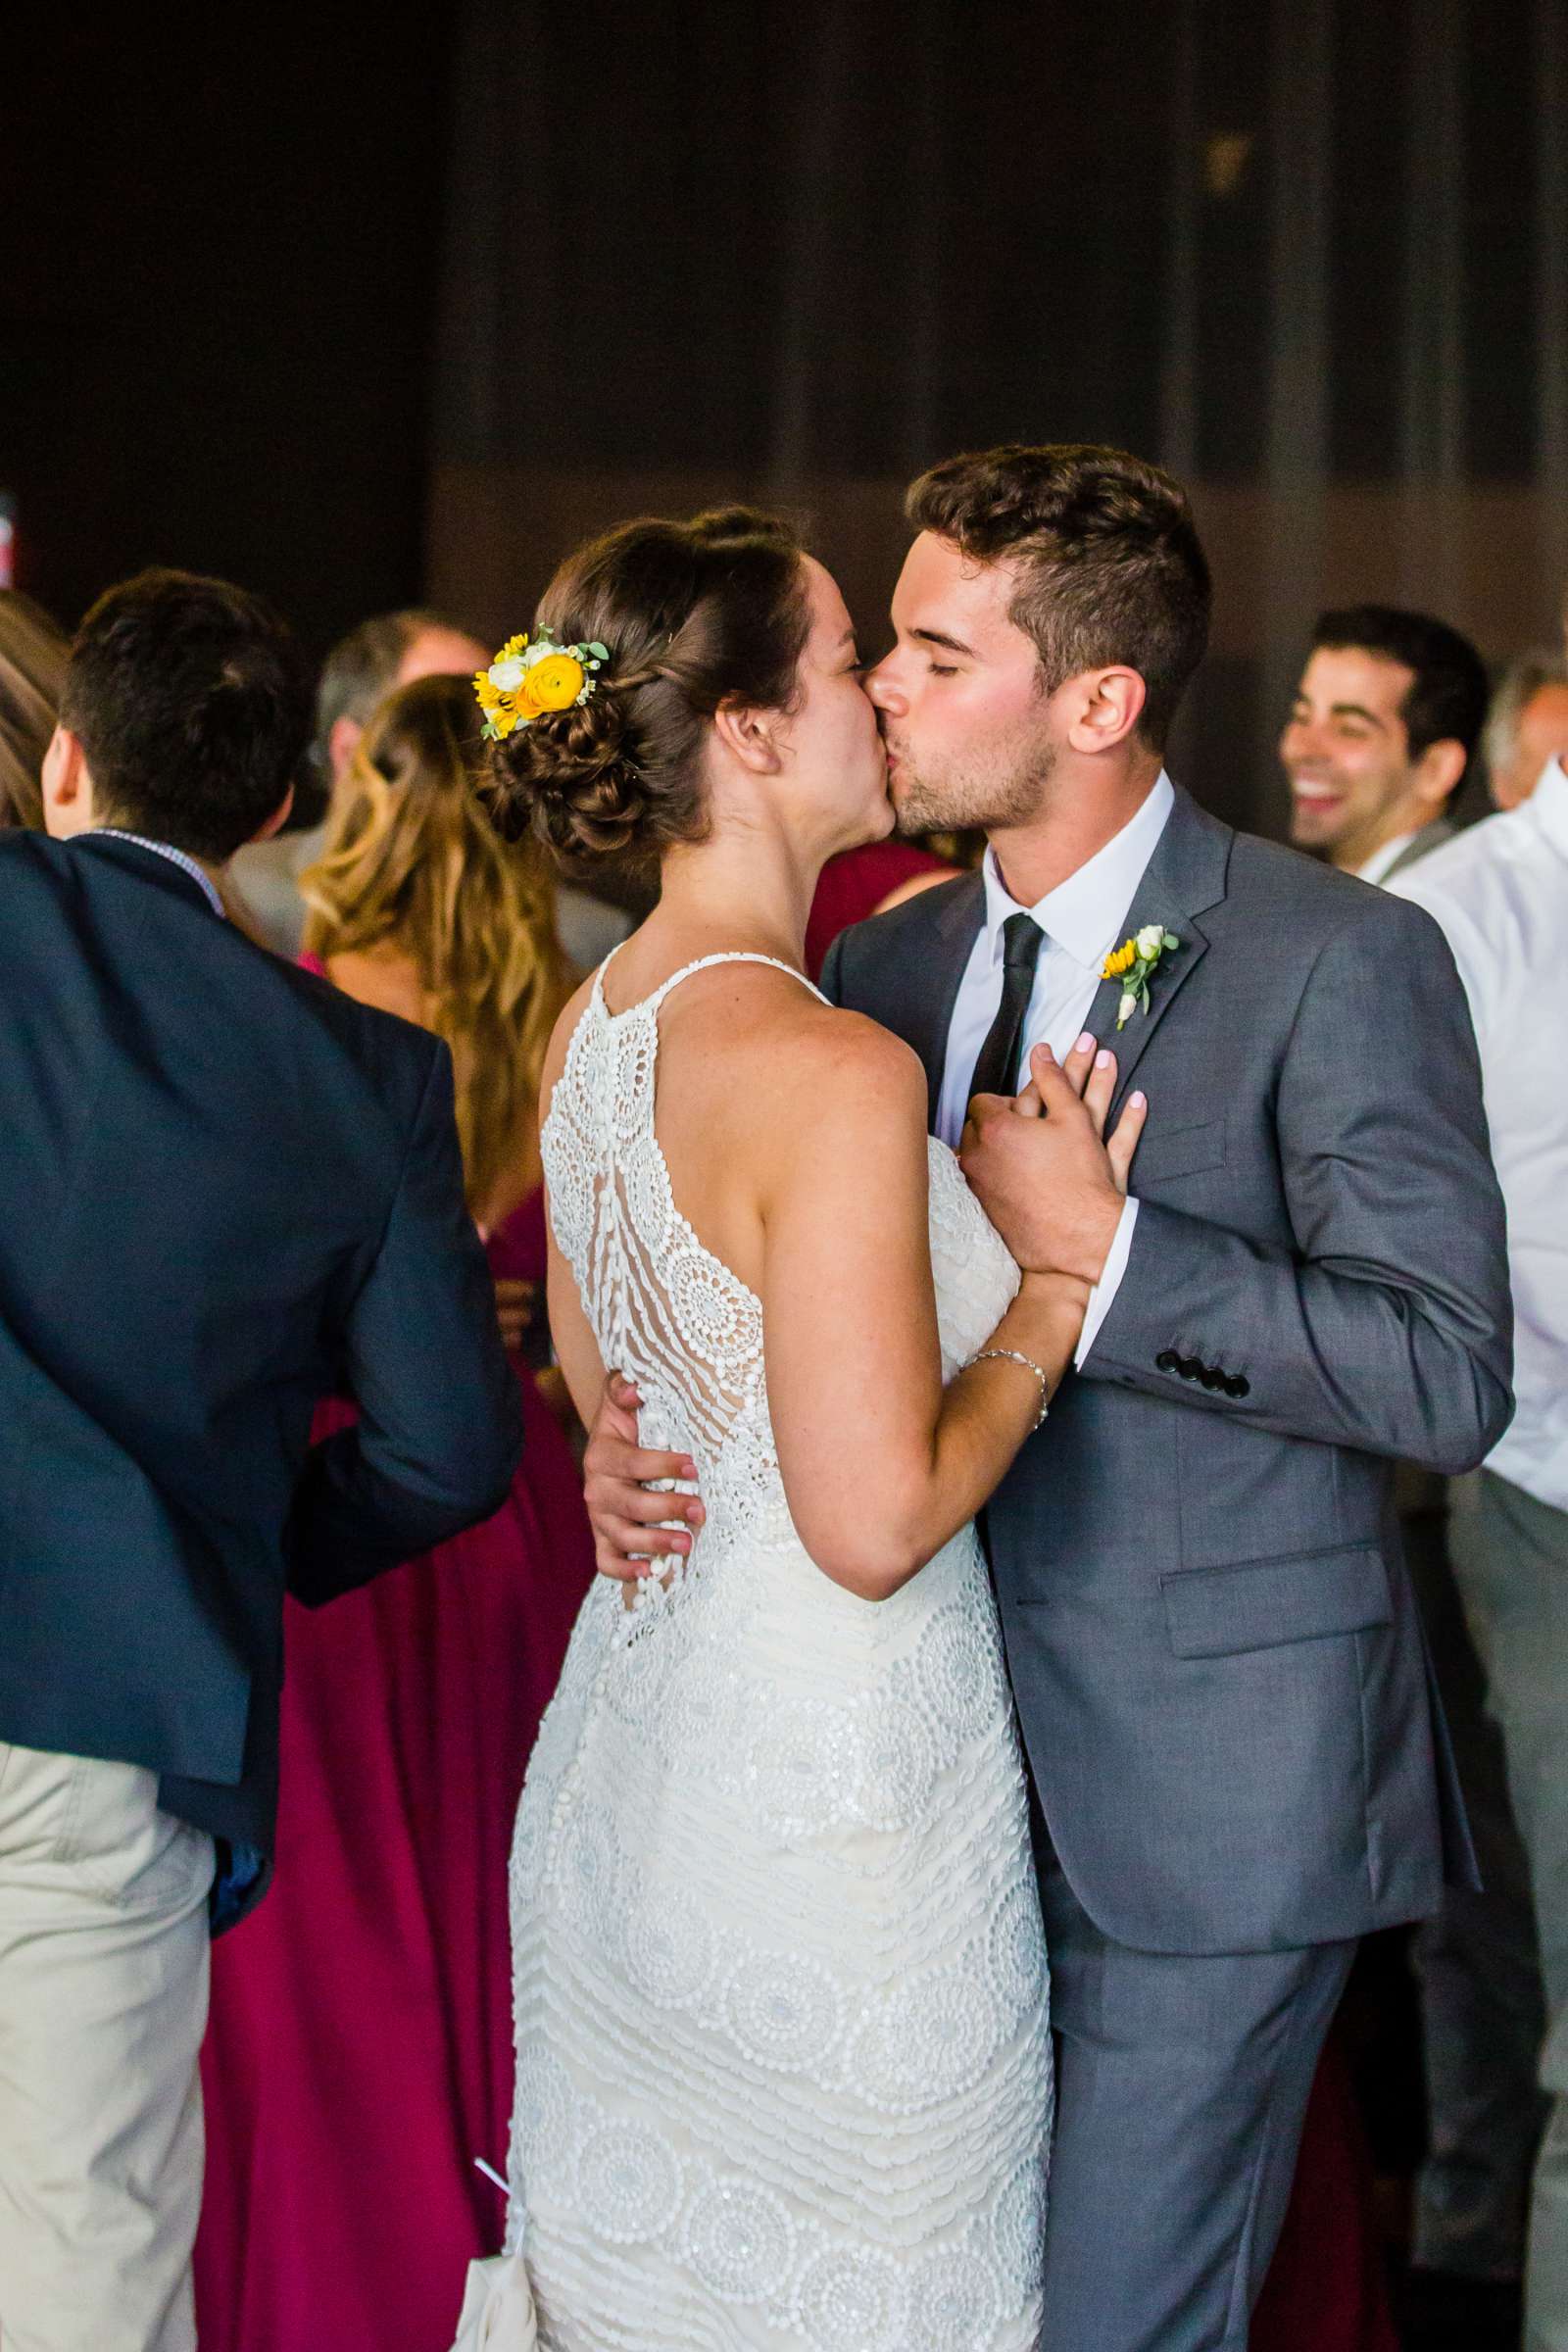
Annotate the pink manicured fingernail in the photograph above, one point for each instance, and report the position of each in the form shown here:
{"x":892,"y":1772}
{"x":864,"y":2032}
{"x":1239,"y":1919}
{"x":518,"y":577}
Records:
{"x":1138,"y":1101}
{"x":680,"y":1542}
{"x":1102,"y":1059}
{"x":1084,"y":1043}
{"x":688,"y":1469}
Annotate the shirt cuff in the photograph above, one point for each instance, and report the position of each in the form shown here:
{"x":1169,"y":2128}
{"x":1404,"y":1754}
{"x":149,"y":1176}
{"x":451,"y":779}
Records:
{"x":1103,"y":1297}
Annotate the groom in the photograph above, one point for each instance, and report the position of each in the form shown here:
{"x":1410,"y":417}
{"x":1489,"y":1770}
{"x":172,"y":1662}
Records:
{"x":1212,"y":1643}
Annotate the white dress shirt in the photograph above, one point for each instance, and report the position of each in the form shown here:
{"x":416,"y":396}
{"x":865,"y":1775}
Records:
{"x":1501,"y":892}
{"x":1082,"y":919}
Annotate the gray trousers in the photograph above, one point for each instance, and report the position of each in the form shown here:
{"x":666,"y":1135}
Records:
{"x":1510,"y":1560}
{"x":1179,"y":2091}
{"x":1483,"y":2009}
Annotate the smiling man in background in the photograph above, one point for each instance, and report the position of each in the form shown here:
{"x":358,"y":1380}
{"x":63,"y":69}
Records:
{"x":1381,"y":735}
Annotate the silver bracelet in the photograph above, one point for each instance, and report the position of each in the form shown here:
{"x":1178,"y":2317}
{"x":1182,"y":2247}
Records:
{"x":1012,"y":1356}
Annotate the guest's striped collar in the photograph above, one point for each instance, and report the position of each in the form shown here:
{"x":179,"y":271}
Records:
{"x":163,"y":848}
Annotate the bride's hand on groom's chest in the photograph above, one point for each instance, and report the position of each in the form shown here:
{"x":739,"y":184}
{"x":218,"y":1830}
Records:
{"x":1041,"y":1170}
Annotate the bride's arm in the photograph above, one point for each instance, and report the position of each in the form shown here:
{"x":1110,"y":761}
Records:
{"x":881,"y":1465}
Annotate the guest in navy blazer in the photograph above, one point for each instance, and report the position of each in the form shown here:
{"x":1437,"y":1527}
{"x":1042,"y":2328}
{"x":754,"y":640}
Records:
{"x":226,"y":1189}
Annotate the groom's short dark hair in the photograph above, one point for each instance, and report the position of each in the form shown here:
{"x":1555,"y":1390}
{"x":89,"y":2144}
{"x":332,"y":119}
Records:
{"x":1109,"y":567}
{"x":191,"y":700}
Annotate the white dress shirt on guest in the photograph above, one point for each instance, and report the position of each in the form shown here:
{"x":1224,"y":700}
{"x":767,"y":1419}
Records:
{"x":1082,"y":919}
{"x":1500,"y":892}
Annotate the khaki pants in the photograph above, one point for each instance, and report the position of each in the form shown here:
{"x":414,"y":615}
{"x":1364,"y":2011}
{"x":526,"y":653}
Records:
{"x":103,"y":2004}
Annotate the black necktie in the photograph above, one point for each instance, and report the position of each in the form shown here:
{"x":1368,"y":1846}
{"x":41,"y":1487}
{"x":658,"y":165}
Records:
{"x":996,"y":1070}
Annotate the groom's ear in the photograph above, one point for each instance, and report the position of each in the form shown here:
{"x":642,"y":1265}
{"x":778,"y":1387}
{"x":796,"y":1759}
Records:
{"x":1102,"y":708}
{"x":749,"y":735}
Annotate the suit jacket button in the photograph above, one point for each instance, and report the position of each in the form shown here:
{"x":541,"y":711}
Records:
{"x":1237,"y":1385}
{"x":1190,"y":1366}
{"x":1167,"y":1360}
{"x":1212,"y":1377}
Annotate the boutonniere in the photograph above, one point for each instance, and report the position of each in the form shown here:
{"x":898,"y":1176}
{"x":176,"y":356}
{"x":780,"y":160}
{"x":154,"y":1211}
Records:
{"x":1135,"y":963}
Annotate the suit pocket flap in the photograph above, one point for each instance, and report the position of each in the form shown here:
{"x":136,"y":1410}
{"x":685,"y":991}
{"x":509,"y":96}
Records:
{"x":1166,"y":1152}
{"x":1212,"y":1612}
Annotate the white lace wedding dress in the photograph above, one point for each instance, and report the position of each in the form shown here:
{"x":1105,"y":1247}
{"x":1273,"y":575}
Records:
{"x":783,"y":2061}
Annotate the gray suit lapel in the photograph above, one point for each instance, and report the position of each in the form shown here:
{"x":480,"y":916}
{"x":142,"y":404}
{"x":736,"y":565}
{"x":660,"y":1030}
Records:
{"x":1185,"y":876}
{"x":935,"y":985}
{"x":1431,"y":837}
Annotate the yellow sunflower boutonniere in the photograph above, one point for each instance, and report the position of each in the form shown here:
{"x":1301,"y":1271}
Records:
{"x":528,"y":679}
{"x":1134,"y":963}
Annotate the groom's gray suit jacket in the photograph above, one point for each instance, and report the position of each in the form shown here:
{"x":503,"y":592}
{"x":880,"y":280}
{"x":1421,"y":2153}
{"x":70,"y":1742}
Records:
{"x":1213,"y":1643}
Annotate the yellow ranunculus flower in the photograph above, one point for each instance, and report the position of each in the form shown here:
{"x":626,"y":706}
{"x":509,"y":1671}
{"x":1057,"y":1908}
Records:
{"x":554,"y":683}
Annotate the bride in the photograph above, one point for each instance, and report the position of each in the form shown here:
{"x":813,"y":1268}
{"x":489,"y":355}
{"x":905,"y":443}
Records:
{"x":783,"y":2058}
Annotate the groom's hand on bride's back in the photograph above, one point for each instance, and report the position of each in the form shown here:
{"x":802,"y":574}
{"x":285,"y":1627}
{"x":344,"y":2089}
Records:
{"x":618,"y":1477}
{"x":1049,"y":1177}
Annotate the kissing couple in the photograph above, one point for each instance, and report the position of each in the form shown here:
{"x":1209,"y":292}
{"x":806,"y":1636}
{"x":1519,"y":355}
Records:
{"x":947,"y":1797}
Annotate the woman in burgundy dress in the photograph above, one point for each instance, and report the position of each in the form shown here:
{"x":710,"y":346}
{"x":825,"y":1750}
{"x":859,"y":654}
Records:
{"x":862,"y":882}
{"x":359,"y":2057}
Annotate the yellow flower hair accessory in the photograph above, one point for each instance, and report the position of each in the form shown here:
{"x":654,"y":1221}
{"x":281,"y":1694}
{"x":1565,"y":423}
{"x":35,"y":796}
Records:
{"x":528,"y":680}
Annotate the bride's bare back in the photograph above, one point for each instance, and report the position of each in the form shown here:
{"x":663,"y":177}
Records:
{"x":794,"y":1136}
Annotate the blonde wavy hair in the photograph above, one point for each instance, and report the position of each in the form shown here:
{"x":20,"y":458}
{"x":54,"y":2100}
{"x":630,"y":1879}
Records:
{"x":413,"y":864}
{"x":33,"y":670}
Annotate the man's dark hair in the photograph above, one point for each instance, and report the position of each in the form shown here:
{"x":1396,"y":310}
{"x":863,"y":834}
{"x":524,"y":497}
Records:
{"x":1108,"y":565}
{"x":1446,"y":699}
{"x":192,"y":704}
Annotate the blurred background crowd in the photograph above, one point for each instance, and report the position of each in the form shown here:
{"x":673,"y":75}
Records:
{"x":380,"y":323}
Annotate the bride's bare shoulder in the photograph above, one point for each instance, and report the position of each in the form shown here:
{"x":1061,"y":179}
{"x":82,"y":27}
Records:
{"x":854,"y":1050}
{"x":823,"y":1065}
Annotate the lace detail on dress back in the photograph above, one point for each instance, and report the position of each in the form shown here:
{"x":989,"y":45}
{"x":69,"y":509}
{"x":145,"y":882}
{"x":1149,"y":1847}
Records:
{"x":783,"y":2072}
{"x":665,"y":1309}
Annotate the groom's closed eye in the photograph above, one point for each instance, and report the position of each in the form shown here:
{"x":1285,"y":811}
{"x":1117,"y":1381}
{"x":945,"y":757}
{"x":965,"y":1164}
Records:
{"x":939,"y":641}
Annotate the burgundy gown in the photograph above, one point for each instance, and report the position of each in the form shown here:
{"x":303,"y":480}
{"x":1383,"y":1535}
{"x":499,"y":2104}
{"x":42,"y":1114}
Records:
{"x":359,"y":2056}
{"x":853,"y":885}
{"x":1326,"y":2290}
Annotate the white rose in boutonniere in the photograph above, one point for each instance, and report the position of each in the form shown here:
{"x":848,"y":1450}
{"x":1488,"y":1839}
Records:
{"x":1134,"y":963}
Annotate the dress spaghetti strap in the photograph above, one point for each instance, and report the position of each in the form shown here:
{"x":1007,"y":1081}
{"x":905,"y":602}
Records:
{"x":703,"y":964}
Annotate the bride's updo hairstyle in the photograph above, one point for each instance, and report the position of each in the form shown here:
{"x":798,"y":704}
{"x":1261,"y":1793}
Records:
{"x":692,"y":616}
